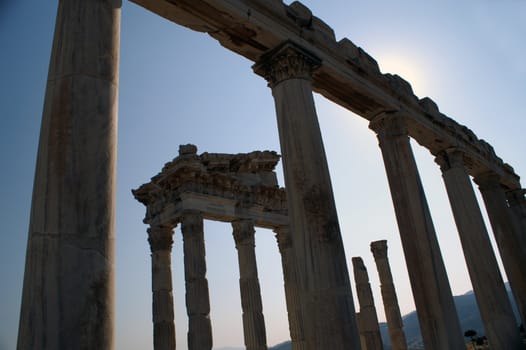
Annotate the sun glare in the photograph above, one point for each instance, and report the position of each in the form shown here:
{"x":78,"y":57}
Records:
{"x":407,"y":68}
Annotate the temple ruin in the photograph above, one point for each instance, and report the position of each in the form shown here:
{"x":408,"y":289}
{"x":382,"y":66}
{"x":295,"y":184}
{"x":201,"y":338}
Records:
{"x":68,"y":297}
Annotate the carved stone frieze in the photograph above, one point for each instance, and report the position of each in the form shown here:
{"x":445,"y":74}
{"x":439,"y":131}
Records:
{"x":246,"y":179}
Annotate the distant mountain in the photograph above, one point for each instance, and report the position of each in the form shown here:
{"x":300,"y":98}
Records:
{"x":468,"y":315}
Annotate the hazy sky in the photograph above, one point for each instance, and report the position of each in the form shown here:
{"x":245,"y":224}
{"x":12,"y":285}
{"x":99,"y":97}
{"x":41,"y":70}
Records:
{"x":178,"y":86}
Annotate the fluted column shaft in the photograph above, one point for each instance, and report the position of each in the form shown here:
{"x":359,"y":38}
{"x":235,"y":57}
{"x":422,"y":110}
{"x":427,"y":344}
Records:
{"x":253,"y":320}
{"x":431,"y":291}
{"x":492,"y":298}
{"x":507,"y":235}
{"x":294,"y":312}
{"x":323,"y":277}
{"x":393,"y":316}
{"x":197,"y":295}
{"x":367,"y":318}
{"x":161,"y":240}
{"x":68,"y":292}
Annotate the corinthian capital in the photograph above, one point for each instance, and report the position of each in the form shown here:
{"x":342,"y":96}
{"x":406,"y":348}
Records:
{"x":243,"y":232}
{"x":287,"y":61}
{"x":160,"y":238}
{"x":389,"y":124}
{"x":450,"y":158}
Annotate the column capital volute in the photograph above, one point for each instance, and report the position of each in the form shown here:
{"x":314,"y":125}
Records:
{"x":450,"y":158}
{"x":379,"y":249}
{"x":286,"y":61}
{"x":389,"y":124}
{"x":243,"y":231}
{"x":283,"y":237}
{"x":487,"y":180}
{"x":160,"y":238}
{"x":191,"y":221}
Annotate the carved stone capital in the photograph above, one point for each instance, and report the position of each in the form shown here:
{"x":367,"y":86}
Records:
{"x":389,"y":125}
{"x":379,"y":249}
{"x":160,"y":238}
{"x":191,"y":222}
{"x":450,"y":158}
{"x":488,"y":180}
{"x":283,"y":237}
{"x":517,"y":197}
{"x":287,"y":61}
{"x":243,"y":232}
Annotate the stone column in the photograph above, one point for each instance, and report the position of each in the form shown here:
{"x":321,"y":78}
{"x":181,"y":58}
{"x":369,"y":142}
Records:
{"x":492,"y":298}
{"x":508,"y":236}
{"x":291,"y":288}
{"x":391,"y":308}
{"x":323,"y":278}
{"x":161,"y":240}
{"x":517,"y":203}
{"x":253,"y":320}
{"x":68,"y":292}
{"x":431,"y":291}
{"x":197,"y":296}
{"x":367,"y":318}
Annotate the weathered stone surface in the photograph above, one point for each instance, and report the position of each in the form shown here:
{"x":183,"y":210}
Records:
{"x":367,"y":318}
{"x":490,"y":293}
{"x":508,"y":236}
{"x":197,"y":295}
{"x":290,"y":279}
{"x":390,"y":301}
{"x":329,"y":321}
{"x":68,"y":293}
{"x":161,"y":240}
{"x":222,"y":187}
{"x":431,"y":291}
{"x":253,"y":320}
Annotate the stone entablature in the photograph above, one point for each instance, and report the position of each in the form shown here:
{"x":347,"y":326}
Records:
{"x":347,"y":75}
{"x":223,"y":187}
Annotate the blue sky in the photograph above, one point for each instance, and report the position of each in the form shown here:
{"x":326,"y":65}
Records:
{"x":178,"y":86}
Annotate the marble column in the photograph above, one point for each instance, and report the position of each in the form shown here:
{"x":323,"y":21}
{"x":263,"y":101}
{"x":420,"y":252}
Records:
{"x":68,"y":292}
{"x":507,"y":235}
{"x":253,"y":320}
{"x":517,"y":203}
{"x":393,"y":316}
{"x":288,"y":263}
{"x":161,"y":240}
{"x":431,"y":291}
{"x":492,"y":298}
{"x":323,"y":278}
{"x":367,"y":318}
{"x":197,"y":295}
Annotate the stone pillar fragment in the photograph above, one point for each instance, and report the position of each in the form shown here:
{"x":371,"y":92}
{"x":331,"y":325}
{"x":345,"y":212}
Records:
{"x":253,"y":320}
{"x":367,"y":318}
{"x":508,"y":236}
{"x":68,"y":291}
{"x":323,"y":277}
{"x":488,"y":286}
{"x":431,"y":291}
{"x":197,"y":295}
{"x":161,"y":240}
{"x":291,"y":288}
{"x":393,"y":316}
